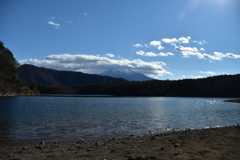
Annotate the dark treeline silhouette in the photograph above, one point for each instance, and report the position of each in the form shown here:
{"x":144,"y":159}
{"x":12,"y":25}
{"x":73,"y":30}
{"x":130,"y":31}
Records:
{"x":217,"y":86}
{"x":9,"y":82}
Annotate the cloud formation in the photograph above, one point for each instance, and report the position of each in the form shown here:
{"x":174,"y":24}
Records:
{"x":138,"y":45}
{"x":200,"y":42}
{"x":175,"y":40}
{"x":110,"y":55}
{"x":208,"y":72}
{"x":97,"y":64}
{"x":155,"y":43}
{"x":56,"y":25}
{"x":193,"y":51}
{"x":152,"y":54}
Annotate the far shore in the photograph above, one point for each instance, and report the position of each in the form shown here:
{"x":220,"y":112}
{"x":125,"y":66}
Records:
{"x":233,"y":100}
{"x":211,"y":143}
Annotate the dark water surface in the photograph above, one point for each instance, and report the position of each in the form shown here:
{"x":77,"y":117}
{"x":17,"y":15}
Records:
{"x":29,"y":119}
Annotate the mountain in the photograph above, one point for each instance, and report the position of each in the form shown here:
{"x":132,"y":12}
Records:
{"x":29,"y":73}
{"x":126,"y":74}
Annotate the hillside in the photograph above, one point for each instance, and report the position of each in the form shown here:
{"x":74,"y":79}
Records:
{"x":217,"y":86}
{"x":29,"y":73}
{"x":10,"y":85}
{"x":127,"y":74}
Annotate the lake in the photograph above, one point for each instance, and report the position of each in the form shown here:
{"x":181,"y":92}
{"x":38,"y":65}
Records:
{"x":31,"y":119}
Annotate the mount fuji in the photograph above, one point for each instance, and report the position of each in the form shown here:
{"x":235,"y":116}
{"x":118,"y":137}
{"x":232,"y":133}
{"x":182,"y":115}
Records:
{"x":126,"y":74}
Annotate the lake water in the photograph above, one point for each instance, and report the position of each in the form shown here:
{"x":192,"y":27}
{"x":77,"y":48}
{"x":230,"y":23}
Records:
{"x":29,"y":119}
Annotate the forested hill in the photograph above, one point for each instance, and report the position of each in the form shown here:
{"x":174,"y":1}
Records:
{"x":10,"y":85}
{"x":217,"y":86}
{"x":29,"y":73}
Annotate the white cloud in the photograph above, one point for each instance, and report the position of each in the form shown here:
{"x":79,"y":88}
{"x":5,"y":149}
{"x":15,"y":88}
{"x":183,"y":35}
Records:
{"x":110,"y":55}
{"x":208,"y":72}
{"x":188,"y":51}
{"x":202,"y":49}
{"x":192,"y":77}
{"x":175,"y":40}
{"x":193,"y":51}
{"x":151,"y":54}
{"x":200,"y":42}
{"x":160,"y":47}
{"x":231,"y":55}
{"x":169,"y":40}
{"x":140,"y":52}
{"x":95,"y":64}
{"x":165,"y":54}
{"x":184,"y":40}
{"x":85,"y":14}
{"x":228,"y":55}
{"x":138,"y":45}
{"x":56,"y":25}
{"x":155,"y":43}
{"x":196,"y":77}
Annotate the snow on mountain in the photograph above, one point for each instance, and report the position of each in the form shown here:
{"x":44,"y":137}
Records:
{"x":126,"y":74}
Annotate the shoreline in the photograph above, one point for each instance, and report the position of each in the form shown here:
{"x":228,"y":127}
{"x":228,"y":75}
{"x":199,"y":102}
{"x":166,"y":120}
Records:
{"x":233,"y":100}
{"x":210,"y":143}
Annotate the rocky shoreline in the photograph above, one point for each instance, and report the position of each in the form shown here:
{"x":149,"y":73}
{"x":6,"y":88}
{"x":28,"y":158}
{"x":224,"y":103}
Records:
{"x":212,"y":143}
{"x":13,"y":94}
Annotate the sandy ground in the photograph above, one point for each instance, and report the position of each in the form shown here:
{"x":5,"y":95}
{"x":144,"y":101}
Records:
{"x":214,"y":143}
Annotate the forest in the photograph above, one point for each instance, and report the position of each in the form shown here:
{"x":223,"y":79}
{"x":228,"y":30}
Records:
{"x":10,"y":84}
{"x":216,"y":86}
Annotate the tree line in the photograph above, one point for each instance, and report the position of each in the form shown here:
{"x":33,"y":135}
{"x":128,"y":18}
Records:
{"x":216,"y":86}
{"x":9,"y":82}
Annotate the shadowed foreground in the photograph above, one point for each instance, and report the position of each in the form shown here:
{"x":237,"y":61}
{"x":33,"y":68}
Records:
{"x":214,"y":143}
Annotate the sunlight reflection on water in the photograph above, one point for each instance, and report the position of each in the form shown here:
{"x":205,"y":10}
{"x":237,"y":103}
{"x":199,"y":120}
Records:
{"x":69,"y":118}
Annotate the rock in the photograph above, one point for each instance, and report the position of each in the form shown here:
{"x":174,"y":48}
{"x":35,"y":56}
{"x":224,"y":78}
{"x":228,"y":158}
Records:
{"x":38,"y":147}
{"x":80,"y":141}
{"x":176,"y":145}
{"x":96,"y":143}
{"x":89,"y":149}
{"x":111,"y":139}
{"x":56,"y":142}
{"x":24,"y":148}
{"x":176,"y":154}
{"x":153,"y":138}
{"x":42,"y":143}
{"x":131,"y":158}
{"x":153,"y":157}
{"x":141,"y":158}
{"x":162,"y":148}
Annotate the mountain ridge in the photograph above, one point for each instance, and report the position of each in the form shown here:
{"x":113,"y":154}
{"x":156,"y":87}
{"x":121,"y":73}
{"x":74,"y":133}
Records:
{"x":29,"y":73}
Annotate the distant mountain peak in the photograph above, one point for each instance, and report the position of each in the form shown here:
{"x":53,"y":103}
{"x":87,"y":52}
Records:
{"x":127,"y":74}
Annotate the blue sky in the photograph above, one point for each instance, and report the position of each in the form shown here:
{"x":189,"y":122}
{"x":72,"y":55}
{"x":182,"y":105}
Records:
{"x":165,"y":39}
